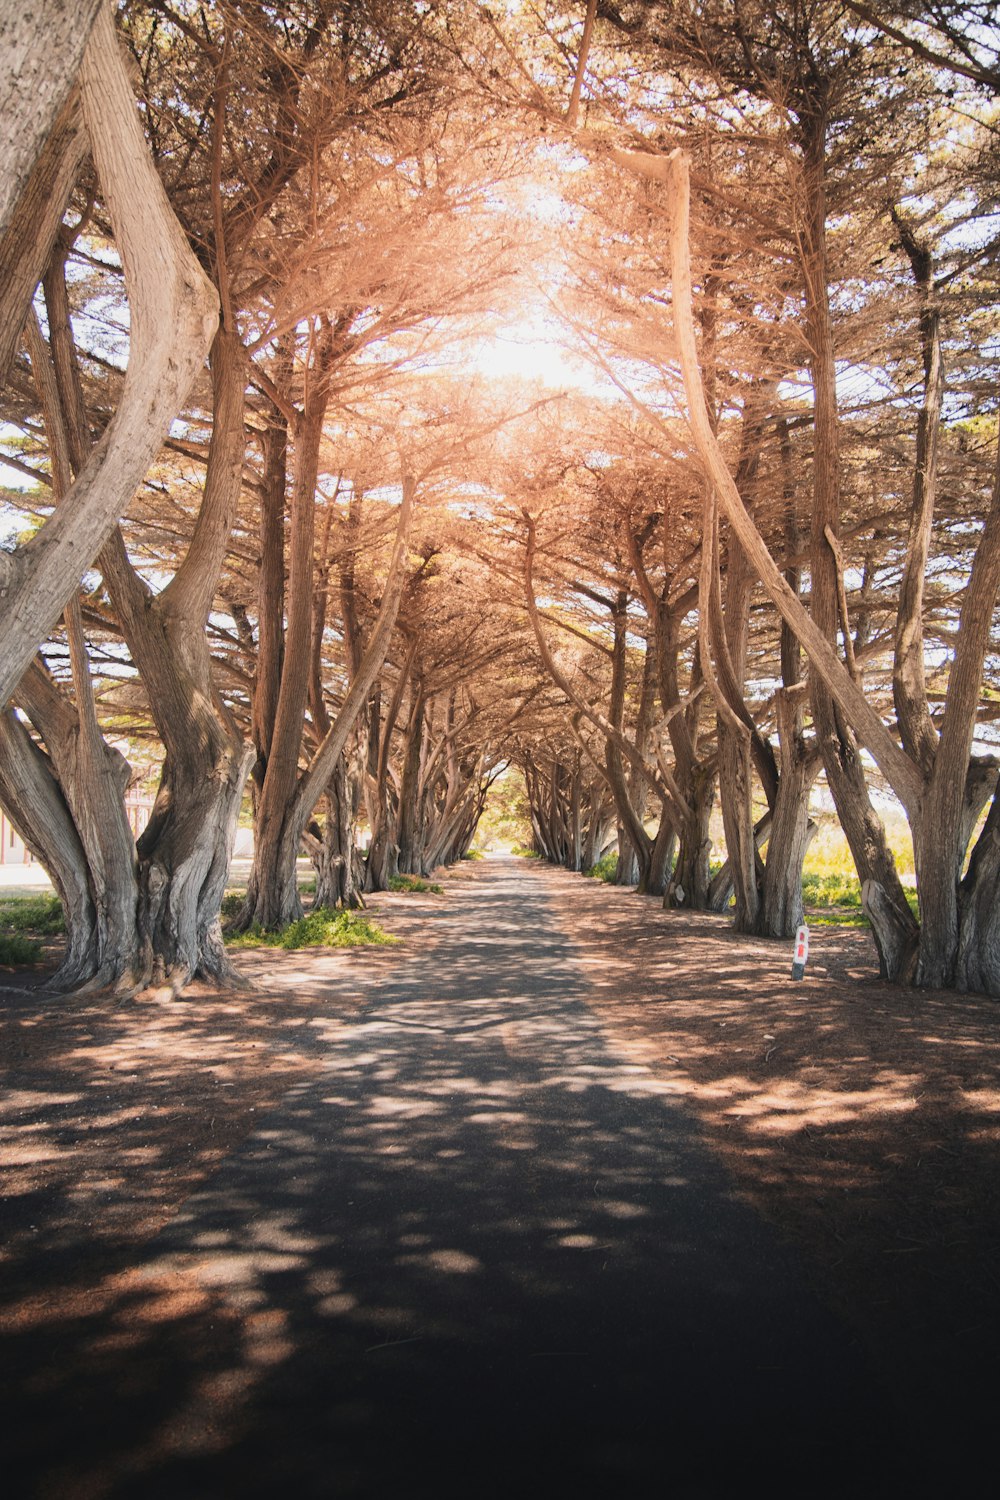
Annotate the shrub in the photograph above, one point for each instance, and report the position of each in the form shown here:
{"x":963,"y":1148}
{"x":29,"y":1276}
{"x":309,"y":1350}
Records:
{"x":831,"y":890}
{"x":322,"y":928}
{"x":18,"y":951}
{"x":414,"y":884}
{"x":42,"y":915}
{"x":605,"y":869}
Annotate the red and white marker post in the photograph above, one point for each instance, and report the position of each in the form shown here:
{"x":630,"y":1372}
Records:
{"x":801,"y":952}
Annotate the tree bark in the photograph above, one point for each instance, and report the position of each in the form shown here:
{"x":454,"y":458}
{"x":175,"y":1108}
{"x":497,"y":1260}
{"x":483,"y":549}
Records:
{"x":33,"y":800}
{"x":287,"y":802}
{"x":895,"y":764}
{"x":173,"y":315}
{"x":791,"y":829}
{"x":27,"y":244}
{"x":185,"y":850}
{"x":41,"y":47}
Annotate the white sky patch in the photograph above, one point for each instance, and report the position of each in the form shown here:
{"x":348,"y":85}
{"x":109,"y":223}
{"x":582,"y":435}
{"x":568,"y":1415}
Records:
{"x":530,"y":349}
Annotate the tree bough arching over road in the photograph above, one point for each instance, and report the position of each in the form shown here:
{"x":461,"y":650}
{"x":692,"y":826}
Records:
{"x":396,"y":392}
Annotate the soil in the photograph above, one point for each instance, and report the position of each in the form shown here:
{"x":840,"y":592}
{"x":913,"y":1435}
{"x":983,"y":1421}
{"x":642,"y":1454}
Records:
{"x":862,"y":1119}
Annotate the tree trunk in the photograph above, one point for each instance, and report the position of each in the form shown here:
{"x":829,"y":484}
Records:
{"x":791,"y":829}
{"x":596,"y":828}
{"x":33,"y":800}
{"x":26,"y":247}
{"x":661,"y":857}
{"x":692,"y":877}
{"x":173,"y":315}
{"x":92,"y":777}
{"x":184,"y":856}
{"x":409,"y":804}
{"x":184,"y":853}
{"x":736,"y":792}
{"x":977,"y":962}
{"x":287,"y":800}
{"x":41,"y":50}
{"x":333,"y":860}
{"x":827,"y":666}
{"x":952,"y":910}
{"x":893,"y":925}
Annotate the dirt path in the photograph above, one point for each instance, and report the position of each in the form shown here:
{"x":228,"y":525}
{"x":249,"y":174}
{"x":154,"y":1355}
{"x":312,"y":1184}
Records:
{"x":435,"y":1219}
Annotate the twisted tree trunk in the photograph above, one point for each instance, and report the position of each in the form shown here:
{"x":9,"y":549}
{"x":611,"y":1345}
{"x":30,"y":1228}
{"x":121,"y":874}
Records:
{"x":173,"y":312}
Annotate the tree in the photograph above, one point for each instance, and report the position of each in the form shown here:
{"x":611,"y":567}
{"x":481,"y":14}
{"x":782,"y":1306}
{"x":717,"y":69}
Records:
{"x":173,"y":314}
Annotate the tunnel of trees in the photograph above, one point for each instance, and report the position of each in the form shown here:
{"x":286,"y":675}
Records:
{"x":394,"y":391}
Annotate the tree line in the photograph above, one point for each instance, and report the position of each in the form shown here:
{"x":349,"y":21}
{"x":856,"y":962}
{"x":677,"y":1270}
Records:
{"x":277,"y":514}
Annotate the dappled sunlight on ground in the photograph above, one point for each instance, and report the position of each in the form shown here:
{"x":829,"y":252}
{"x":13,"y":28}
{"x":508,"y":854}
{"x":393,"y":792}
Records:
{"x":862,"y":1118}
{"x":472,"y":1222}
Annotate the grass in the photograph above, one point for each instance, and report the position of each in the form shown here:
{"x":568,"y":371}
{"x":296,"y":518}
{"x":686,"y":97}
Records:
{"x":473,"y":854}
{"x":322,"y":928}
{"x":523,"y":852}
{"x":414,"y":885}
{"x":17,"y":950}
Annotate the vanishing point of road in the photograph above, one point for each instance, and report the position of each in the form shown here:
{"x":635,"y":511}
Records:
{"x":476,"y":1253}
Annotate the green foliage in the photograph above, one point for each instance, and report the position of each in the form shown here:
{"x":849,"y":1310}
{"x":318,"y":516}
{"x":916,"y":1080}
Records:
{"x":606,"y":868}
{"x":322,"y":928}
{"x":505,"y":821}
{"x":414,"y":885}
{"x":523,"y":852}
{"x":473,"y":854}
{"x":232,"y":902}
{"x":830,"y":854}
{"x":41,"y":915}
{"x":840,"y":896}
{"x":831,"y":890}
{"x":838,"y":916}
{"x":18,"y":950}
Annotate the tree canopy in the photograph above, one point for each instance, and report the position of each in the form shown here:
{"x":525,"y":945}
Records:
{"x":393,"y":393}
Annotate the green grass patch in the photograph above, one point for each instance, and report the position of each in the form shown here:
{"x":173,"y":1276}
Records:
{"x":322,"y":928}
{"x":837,"y":916}
{"x":605,"y":869}
{"x":17,"y":950}
{"x":41,"y":915}
{"x":473,"y":854}
{"x":414,"y":884}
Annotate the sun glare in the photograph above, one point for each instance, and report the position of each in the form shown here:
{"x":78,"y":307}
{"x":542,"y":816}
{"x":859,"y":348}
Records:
{"x":533,"y":350}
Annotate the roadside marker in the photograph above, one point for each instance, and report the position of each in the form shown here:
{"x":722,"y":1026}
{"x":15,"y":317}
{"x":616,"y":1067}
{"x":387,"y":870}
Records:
{"x":801,"y":952}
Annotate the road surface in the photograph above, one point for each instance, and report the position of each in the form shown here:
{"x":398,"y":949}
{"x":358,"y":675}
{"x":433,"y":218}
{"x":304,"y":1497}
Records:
{"x":477,"y":1253}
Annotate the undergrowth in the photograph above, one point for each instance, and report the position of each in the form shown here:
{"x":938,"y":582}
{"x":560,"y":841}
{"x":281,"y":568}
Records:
{"x":41,"y":915}
{"x":17,"y":950}
{"x":322,"y":928}
{"x":839,"y":889}
{"x":414,"y":885}
{"x":605,"y":869}
{"x":840,"y":893}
